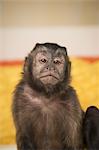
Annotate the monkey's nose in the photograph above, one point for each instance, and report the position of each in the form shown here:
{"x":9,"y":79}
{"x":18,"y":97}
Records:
{"x":50,"y":68}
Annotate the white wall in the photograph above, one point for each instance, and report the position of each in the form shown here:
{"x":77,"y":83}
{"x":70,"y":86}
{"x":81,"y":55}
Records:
{"x":17,"y":42}
{"x":70,"y":23}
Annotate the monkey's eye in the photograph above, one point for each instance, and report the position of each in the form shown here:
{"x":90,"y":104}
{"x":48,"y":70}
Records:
{"x":57,"y":61}
{"x":43,"y":60}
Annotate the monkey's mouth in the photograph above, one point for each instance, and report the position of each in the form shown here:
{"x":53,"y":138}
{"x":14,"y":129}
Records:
{"x":49,"y":75}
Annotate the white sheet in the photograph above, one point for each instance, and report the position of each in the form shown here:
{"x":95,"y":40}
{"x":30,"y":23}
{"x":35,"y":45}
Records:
{"x":8,"y":147}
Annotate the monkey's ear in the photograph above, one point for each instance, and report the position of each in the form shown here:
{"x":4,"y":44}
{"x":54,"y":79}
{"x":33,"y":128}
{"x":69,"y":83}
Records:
{"x":69,"y":69}
{"x":26,"y":59}
{"x":27,"y":63}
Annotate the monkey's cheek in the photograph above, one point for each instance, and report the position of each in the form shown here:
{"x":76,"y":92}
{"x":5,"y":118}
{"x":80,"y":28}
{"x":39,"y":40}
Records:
{"x":49,"y":80}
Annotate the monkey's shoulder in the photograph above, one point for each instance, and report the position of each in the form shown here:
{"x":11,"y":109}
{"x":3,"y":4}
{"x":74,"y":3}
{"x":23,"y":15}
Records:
{"x":69,"y":93}
{"x":24,"y":95}
{"x":70,"y":98}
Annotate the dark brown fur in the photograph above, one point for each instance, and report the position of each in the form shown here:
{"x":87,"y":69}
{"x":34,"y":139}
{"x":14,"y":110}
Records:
{"x":47,"y":121}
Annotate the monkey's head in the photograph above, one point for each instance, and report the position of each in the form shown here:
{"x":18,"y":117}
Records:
{"x":47,"y":68}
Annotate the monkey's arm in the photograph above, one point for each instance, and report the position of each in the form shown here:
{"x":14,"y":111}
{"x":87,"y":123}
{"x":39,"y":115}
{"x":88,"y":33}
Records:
{"x":91,"y":128}
{"x":24,"y":138}
{"x":23,"y":123}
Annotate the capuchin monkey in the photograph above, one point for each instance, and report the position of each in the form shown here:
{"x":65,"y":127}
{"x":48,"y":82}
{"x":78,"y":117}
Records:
{"x":46,"y":110}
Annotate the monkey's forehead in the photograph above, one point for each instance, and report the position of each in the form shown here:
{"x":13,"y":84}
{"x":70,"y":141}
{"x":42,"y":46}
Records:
{"x":49,"y":52}
{"x":54,"y":46}
{"x":50,"y":47}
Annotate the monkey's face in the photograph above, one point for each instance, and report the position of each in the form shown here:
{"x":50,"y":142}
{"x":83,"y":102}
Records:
{"x":49,"y":66}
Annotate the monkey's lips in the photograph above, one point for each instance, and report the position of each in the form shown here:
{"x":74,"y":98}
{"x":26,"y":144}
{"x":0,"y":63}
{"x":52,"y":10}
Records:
{"x":49,"y":75}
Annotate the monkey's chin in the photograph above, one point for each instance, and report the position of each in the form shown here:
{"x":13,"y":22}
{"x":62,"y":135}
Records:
{"x":49,"y":80}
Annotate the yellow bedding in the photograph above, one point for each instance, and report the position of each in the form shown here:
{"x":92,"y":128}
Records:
{"x":85,"y":79}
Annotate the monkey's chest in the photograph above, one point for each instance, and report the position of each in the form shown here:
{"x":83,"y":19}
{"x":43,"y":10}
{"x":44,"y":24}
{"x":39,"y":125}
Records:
{"x":53,"y":126}
{"x":49,"y":118}
{"x":49,"y":126}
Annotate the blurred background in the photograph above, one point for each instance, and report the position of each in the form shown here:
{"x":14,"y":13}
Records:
{"x":70,"y":23}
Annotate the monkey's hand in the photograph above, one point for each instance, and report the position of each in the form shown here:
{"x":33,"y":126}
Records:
{"x":91,"y":128}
